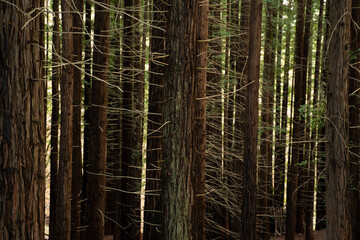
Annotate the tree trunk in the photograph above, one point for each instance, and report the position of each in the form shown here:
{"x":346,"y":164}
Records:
{"x":297,"y":128}
{"x":267,"y":117}
{"x":98,"y":126}
{"x":152,"y":227}
{"x":354,"y":132}
{"x":184,"y":138}
{"x":279,"y":161}
{"x":321,"y":183}
{"x":77,"y":155}
{"x":63,"y":212}
{"x":251,"y":124}
{"x":87,"y":103}
{"x":54,"y":139}
{"x":131,"y":124}
{"x":22,"y":139}
{"x":337,"y":126}
{"x":314,"y":135}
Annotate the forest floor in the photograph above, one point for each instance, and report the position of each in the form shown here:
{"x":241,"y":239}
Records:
{"x":318,"y":235}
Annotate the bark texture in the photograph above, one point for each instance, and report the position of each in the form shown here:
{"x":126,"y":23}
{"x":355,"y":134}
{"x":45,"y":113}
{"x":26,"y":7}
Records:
{"x":77,"y":154}
{"x":354,"y":131}
{"x":251,"y":124}
{"x":152,"y":228}
{"x":337,"y":126}
{"x":297,"y":127}
{"x":183,"y":176}
{"x":63,"y":213}
{"x":98,"y":126}
{"x":22,"y":138}
{"x":54,"y":139}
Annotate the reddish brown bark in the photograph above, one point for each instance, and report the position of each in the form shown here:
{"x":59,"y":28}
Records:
{"x":54,"y":139}
{"x":98,"y":126}
{"x":251,"y":124}
{"x":183,"y":176}
{"x":63,"y":212}
{"x":22,"y":138}
{"x":77,"y":155}
{"x":337,"y":126}
{"x":354,"y":131}
{"x":297,"y":125}
{"x":152,"y":228}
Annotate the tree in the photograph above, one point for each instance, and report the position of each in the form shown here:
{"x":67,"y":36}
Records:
{"x":354,"y":134}
{"x":297,"y":128}
{"x":152,"y":227}
{"x":22,"y":139}
{"x":183,"y":176}
{"x":267,"y":113}
{"x":77,"y":155}
{"x":54,"y":139}
{"x":337,"y":126}
{"x":63,"y":211}
{"x":131,"y":124}
{"x":98,"y":125}
{"x":251,"y":124}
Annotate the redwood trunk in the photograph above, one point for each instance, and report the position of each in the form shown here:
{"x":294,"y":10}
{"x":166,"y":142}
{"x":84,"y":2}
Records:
{"x":251,"y":124}
{"x":22,"y":138}
{"x":297,"y":127}
{"x":54,"y":139}
{"x":183,"y":176}
{"x":98,"y":126}
{"x":77,"y":155}
{"x":337,"y":126}
{"x":63,"y":212}
{"x":152,"y":227}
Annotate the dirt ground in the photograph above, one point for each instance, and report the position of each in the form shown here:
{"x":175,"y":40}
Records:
{"x":318,"y":235}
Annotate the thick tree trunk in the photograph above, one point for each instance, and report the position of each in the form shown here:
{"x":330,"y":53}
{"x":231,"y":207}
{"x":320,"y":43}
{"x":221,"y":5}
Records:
{"x":54,"y":139}
{"x":22,"y":138}
{"x":297,"y":128}
{"x":98,"y":126}
{"x":152,"y":227}
{"x":251,"y":124}
{"x":183,"y":176}
{"x":63,"y":212}
{"x":337,"y":126}
{"x":77,"y":155}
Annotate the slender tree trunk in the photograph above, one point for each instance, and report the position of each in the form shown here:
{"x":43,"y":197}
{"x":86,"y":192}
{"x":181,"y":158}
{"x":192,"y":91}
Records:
{"x":54,"y":139}
{"x":87,"y":103}
{"x":304,"y":135}
{"x":314,"y":135}
{"x":279,"y":162}
{"x":321,"y":183}
{"x":297,"y":128}
{"x":152,"y":227}
{"x":131,"y":122}
{"x":337,"y":125}
{"x":22,"y":138}
{"x":354,"y":132}
{"x":63,"y":212}
{"x":77,"y":155}
{"x":184,"y":137}
{"x":267,"y":117}
{"x":251,"y":124}
{"x":98,"y":126}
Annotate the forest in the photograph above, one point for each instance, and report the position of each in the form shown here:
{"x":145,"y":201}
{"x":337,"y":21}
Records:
{"x":179,"y":119}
